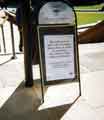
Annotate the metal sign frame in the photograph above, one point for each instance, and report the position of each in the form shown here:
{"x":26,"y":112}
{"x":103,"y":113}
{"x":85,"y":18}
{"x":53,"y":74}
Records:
{"x":54,"y":29}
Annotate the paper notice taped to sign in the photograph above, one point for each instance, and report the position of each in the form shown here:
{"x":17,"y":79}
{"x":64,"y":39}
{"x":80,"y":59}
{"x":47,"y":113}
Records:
{"x":59,"y":57}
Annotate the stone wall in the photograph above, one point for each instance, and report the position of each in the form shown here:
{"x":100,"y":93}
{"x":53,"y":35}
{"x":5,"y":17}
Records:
{"x":92,"y":35}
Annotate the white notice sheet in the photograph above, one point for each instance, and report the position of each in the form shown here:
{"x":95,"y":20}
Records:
{"x":59,"y":57}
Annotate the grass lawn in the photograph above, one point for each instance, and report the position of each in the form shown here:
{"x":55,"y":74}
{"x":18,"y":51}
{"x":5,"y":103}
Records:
{"x":89,"y":17}
{"x":99,"y":6}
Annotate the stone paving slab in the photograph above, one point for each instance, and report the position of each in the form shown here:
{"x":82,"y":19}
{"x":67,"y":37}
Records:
{"x":92,"y":88}
{"x":5,"y":94}
{"x":81,"y":111}
{"x":100,"y":112}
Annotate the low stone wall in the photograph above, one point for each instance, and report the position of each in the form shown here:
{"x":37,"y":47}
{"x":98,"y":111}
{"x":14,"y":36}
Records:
{"x":92,"y":35}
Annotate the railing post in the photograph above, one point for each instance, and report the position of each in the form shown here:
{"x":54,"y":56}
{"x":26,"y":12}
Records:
{"x":12,"y":38}
{"x":4,"y":45}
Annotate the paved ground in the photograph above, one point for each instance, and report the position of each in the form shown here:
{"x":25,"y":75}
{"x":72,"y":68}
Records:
{"x":20,"y":103}
{"x":90,"y":106}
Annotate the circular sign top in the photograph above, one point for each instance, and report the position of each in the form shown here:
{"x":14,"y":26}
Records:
{"x":56,"y":13}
